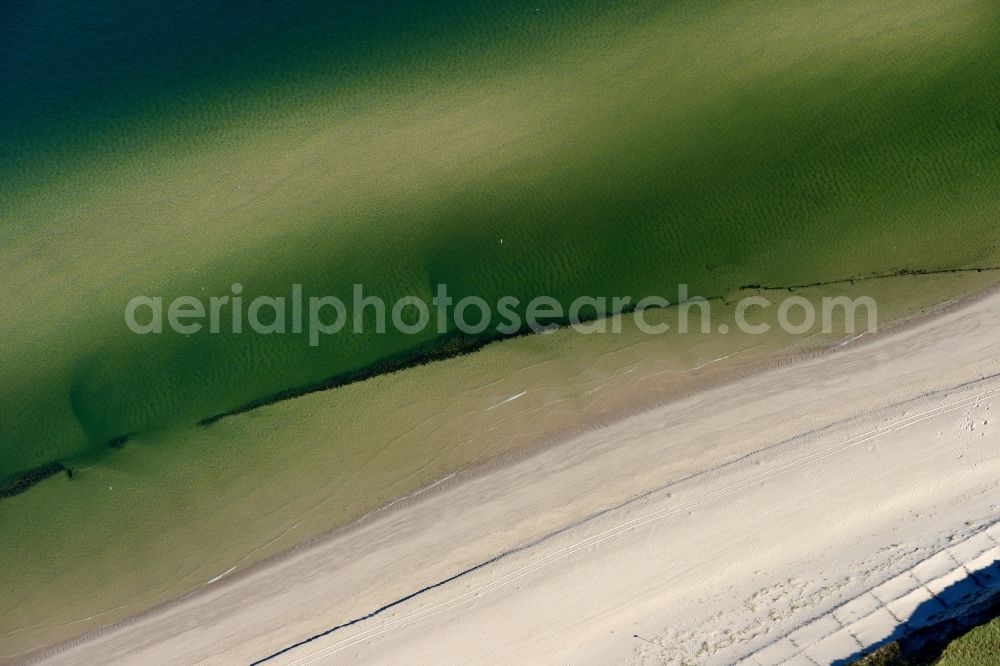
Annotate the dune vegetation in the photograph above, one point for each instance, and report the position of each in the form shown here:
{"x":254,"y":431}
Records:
{"x":521,"y":149}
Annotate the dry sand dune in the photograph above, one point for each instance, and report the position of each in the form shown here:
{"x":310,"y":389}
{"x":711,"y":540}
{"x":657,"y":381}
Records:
{"x":704,"y":531}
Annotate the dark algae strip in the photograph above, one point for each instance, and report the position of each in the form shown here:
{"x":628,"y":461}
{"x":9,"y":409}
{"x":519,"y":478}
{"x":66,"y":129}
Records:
{"x":450,"y":346}
{"x":18,"y":484}
{"x":458,"y":344}
{"x":902,"y":272}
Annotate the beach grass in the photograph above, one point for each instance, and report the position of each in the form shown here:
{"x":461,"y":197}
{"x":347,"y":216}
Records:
{"x":979,"y":647}
{"x":614,"y":152}
{"x":179,"y":507}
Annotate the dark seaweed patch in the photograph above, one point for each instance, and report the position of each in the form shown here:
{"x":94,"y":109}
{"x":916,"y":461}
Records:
{"x":18,"y":484}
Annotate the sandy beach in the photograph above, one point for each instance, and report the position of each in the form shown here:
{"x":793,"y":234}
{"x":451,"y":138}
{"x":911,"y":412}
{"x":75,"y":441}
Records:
{"x":703,"y":531}
{"x":442,"y":332}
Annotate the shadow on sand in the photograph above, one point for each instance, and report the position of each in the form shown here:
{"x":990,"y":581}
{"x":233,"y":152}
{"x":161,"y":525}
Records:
{"x":958,"y":608}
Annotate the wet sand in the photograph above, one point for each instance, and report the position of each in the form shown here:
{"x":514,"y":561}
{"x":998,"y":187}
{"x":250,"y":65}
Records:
{"x":707,"y":528}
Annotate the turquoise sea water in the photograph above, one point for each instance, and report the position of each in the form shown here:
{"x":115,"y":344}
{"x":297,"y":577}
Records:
{"x":174,"y":150}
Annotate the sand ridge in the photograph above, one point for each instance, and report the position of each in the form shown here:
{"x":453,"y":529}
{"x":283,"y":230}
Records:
{"x":777,"y":498}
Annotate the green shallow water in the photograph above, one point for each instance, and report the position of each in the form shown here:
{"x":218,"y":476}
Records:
{"x":179,"y":507}
{"x":179,"y":149}
{"x":615,"y":152}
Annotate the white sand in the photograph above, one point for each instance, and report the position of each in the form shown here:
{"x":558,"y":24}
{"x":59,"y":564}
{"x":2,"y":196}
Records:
{"x":743,"y":514}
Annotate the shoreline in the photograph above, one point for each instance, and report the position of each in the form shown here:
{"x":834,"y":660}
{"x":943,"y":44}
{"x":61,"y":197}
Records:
{"x":465,"y":476}
{"x":449,"y":346}
{"x":365,"y":640}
